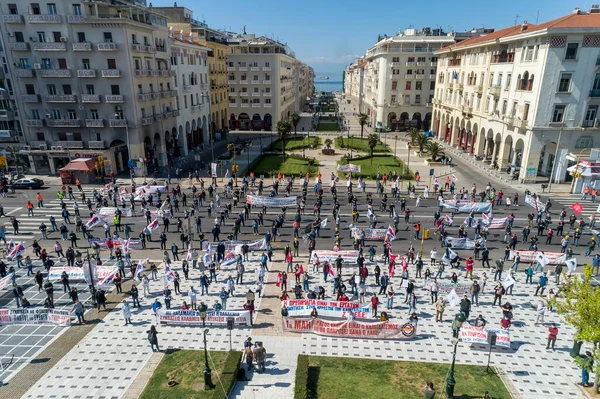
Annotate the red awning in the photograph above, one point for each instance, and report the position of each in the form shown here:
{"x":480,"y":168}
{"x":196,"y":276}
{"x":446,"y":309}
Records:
{"x":80,"y":165}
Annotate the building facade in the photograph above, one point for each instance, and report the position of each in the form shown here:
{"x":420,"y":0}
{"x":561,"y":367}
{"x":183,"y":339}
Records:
{"x":516,"y":95}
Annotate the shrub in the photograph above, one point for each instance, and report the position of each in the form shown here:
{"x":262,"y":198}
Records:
{"x":328,"y":151}
{"x":229,"y":375}
{"x":300,"y":391}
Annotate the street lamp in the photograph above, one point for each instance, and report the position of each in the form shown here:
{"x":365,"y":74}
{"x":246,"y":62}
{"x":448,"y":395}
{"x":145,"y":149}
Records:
{"x":92,"y":286}
{"x":562,"y":125}
{"x":120,"y":116}
{"x":459,"y":319}
{"x":395,"y":143}
{"x":208,"y":385}
{"x":408,"y":160}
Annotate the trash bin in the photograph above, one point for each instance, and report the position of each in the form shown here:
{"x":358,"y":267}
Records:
{"x":426,"y":234}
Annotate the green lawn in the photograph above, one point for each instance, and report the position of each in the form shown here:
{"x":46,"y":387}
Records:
{"x":295,"y":143}
{"x":328,"y":127}
{"x":359,"y":144}
{"x":186,"y":367}
{"x":382,"y":164}
{"x":273,"y":164}
{"x":366,"y":378}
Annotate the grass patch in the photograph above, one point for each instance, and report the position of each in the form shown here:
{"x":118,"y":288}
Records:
{"x":358,"y":144}
{"x":367,"y":378}
{"x":328,"y":127}
{"x":295,"y":143}
{"x":272,"y":164}
{"x":381,"y":163}
{"x":186,"y":367}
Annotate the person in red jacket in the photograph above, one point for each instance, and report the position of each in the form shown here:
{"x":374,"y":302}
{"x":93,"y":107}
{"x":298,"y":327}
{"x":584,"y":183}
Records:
{"x":552,"y":333}
{"x":374,"y":303}
{"x":469,"y":267}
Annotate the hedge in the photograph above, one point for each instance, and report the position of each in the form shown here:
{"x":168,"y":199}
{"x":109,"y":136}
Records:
{"x":229,"y":375}
{"x":300,"y":391}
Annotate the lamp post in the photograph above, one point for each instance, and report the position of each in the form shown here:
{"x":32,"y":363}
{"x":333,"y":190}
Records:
{"x":208,"y":385}
{"x":562,"y":125}
{"x":395,"y":143}
{"x":92,"y":286}
{"x":408,"y":160}
{"x":459,"y":319}
{"x":120,"y":116}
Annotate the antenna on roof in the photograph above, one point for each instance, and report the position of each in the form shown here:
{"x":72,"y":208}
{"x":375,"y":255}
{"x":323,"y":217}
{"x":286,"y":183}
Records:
{"x":537,"y":17}
{"x":516,"y":19}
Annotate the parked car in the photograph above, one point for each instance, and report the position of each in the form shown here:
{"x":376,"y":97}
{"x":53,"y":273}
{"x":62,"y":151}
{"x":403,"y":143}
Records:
{"x":29,"y":183}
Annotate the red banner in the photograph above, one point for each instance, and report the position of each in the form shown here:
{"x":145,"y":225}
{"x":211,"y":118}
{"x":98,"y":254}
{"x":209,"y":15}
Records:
{"x":350,"y":329}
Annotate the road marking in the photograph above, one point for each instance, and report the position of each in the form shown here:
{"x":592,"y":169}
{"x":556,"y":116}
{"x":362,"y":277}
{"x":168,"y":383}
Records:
{"x":14,"y":210}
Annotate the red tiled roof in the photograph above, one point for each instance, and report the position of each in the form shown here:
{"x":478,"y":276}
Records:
{"x":571,"y":21}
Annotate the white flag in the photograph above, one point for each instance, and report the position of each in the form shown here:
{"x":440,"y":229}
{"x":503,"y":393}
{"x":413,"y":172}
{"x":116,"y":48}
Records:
{"x":571,"y":264}
{"x":508,"y":281}
{"x":541,"y":258}
{"x":453,"y":298}
{"x":324,"y":223}
{"x":446,"y":261}
{"x":453,"y":254}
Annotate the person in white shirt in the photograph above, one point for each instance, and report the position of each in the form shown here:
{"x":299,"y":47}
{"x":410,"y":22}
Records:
{"x":432,"y":256}
{"x":541,"y":310}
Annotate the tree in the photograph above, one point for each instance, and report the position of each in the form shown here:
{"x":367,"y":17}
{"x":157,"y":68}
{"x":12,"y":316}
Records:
{"x":283,"y":128}
{"x":435,"y":150}
{"x":372,"y":140}
{"x":421,"y":141}
{"x":580,"y":306}
{"x":295,"y":120}
{"x":328,"y":143}
{"x":362,"y":120}
{"x":412,"y":134}
{"x":12,"y":150}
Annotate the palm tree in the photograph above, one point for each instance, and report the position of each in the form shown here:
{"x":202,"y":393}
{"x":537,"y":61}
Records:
{"x":295,"y":120}
{"x":412,"y":134}
{"x":328,"y":143}
{"x":283,"y":128}
{"x":435,"y":150}
{"x":421,"y":141}
{"x":372,"y":140}
{"x":362,"y":120}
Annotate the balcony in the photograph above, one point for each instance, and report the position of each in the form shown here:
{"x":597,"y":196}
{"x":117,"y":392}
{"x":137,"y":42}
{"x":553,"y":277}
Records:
{"x":460,"y":86}
{"x":267,"y":94}
{"x":165,"y":72}
{"x":76,"y":19}
{"x":94,"y":123}
{"x":595,"y":93}
{"x":61,"y":98}
{"x":147,"y":121}
{"x":38,"y":145}
{"x":110,"y":73}
{"x":90,"y":98}
{"x":396,"y":64}
{"x":56,"y":46}
{"x":243,"y":82}
{"x":18,"y":46}
{"x":244,"y":94}
{"x":64,"y":123}
{"x":143,"y":48}
{"x":13,"y":19}
{"x":245,"y":105}
{"x":233,"y":105}
{"x":68,"y":144}
{"x":254,"y":69}
{"x":6,"y":114}
{"x":231,"y":82}
{"x":255,"y":82}
{"x":409,"y":76}
{"x":432,"y":77}
{"x":55,"y":73}
{"x":106,"y":46}
{"x":410,"y":64}
{"x":495,"y":91}
{"x":34,"y":122}
{"x":84,"y":46}
{"x":255,"y":94}
{"x":86,"y":73}
{"x":142,"y":72}
{"x":176,"y":112}
{"x":30,"y":98}
{"x":117,"y":122}
{"x":97,"y":145}
{"x":479,"y":89}
{"x":187,"y":88}
{"x":267,"y":82}
{"x":433,"y":64}
{"x":266,"y":69}
{"x":243,"y":68}
{"x":256,"y":105}
{"x":197,"y":107}
{"x":421,"y":64}
{"x":267,"y":105}
{"x":230,"y":69}
{"x":419,"y":77}
{"x":44,"y":19}
{"x":114,"y":99}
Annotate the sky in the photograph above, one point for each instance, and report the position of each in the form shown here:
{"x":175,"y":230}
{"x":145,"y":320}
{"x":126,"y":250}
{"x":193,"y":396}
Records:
{"x":328,"y":35}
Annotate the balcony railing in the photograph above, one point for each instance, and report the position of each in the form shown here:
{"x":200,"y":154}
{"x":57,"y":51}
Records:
{"x":63,"y":123}
{"x":267,"y":94}
{"x":75,"y":19}
{"x":106,"y":46}
{"x":243,"y":68}
{"x":90,"y":98}
{"x":420,"y":77}
{"x":56,"y":46}
{"x":82,"y":46}
{"x":55,"y":73}
{"x":114,"y":99}
{"x":61,"y":98}
{"x":255,"y":94}
{"x":68,"y":144}
{"x":34,"y":122}
{"x":267,"y":105}
{"x":86,"y":73}
{"x":231,"y":81}
{"x":256,"y":105}
{"x":197,"y":107}
{"x":143,"y":47}
{"x":187,"y":88}
{"x":479,"y":89}
{"x":98,"y":145}
{"x":142,"y":72}
{"x":409,"y":76}
{"x":243,"y":82}
{"x":169,"y":93}
{"x":111,"y":73}
{"x":13,"y":19}
{"x":230,"y":69}
{"x":433,"y":64}
{"x":94,"y":123}
{"x":595,"y":93}
{"x":495,"y":91}
{"x":410,"y":64}
{"x":267,"y":82}
{"x":38,"y":145}
{"x":44,"y":19}
{"x":244,"y":94}
{"x":255,"y":68}
{"x":245,"y":105}
{"x":266,"y":69}
{"x":147,"y":121}
{"x":255,"y":82}
{"x":18,"y":46}
{"x":117,"y":122}
{"x":6,"y":114}
{"x":30,"y":98}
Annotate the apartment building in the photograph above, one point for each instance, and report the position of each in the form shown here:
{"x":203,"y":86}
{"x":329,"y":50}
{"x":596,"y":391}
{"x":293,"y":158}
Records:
{"x":518,"y":94}
{"x":394,"y":82}
{"x":91,"y":79}
{"x":306,"y":85}
{"x":263,"y":78}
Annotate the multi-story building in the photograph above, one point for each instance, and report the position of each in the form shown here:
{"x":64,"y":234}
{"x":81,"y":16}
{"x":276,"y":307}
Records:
{"x":189,"y":60}
{"x":306,"y":84}
{"x":181,"y":18}
{"x":394,"y":82}
{"x":263,"y":82}
{"x":92,"y":79}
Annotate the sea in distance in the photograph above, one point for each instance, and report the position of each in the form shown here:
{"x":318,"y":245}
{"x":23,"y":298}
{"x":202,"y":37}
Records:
{"x":327,"y":85}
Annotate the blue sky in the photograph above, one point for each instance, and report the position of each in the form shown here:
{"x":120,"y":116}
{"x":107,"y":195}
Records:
{"x":329,"y":34}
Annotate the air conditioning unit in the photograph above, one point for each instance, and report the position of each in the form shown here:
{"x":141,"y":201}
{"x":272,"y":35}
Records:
{"x":64,"y":39}
{"x":10,"y":34}
{"x":57,"y":147}
{"x":37,"y":66}
{"x":33,"y":39}
{"x":27,"y":147}
{"x":48,"y":116}
{"x":43,"y":147}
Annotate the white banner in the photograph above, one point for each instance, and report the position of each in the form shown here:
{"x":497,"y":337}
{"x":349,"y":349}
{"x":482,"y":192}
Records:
{"x":6,"y":281}
{"x":370,"y":234}
{"x":446,"y":287}
{"x":349,"y":168}
{"x":497,"y":223}
{"x":74,"y":273}
{"x":478,"y":335}
{"x":192,"y":317}
{"x":467,"y":206}
{"x":157,"y":213}
{"x":108,"y":213}
{"x":271,"y":202}
{"x":535,"y":203}
{"x":257,"y":245}
{"x":303,"y":307}
{"x":349,"y":256}
{"x":35,"y":316}
{"x":461,"y":243}
{"x":552,"y":258}
{"x":102,"y":243}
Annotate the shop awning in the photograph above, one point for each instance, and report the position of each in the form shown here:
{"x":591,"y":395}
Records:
{"x":80,"y":165}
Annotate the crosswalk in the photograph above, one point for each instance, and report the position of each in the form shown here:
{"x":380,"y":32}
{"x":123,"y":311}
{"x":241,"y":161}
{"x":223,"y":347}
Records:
{"x":566,"y":202}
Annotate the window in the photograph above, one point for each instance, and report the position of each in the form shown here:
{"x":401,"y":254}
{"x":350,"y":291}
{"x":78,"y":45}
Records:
{"x":76,"y":9}
{"x":408,"y":86}
{"x":411,"y":59}
{"x":67,"y":89}
{"x":418,"y":99}
{"x":513,"y":111}
{"x":108,"y":37}
{"x":52,"y":8}
{"x":504,"y":107}
{"x":585,"y":142}
{"x":55,"y":114}
{"x":51,"y":89}
{"x":81,"y":37}
{"x":491,"y":79}
{"x":112,"y":63}
{"x":94,"y":114}
{"x":571,"y":53}
{"x":115,"y":90}
{"x":419,"y":85}
{"x":35,"y":9}
{"x":564,"y":84}
{"x":432,"y":85}
{"x":40,"y":135}
{"x":558,"y":113}
{"x":90,"y":89}
{"x":395,"y":59}
{"x":19,"y":38}
{"x":394,"y":99}
{"x":267,"y":101}
{"x":525,"y":111}
{"x":590,"y":115}
{"x":394,"y":85}
{"x":407,"y":99}
{"x":12,"y":9}
{"x":267,"y":64}
{"x":41,"y":36}
{"x":409,"y":71}
{"x":508,"y":80}
{"x":134,"y":39}
{"x":85,"y":63}
{"x":30,"y":89}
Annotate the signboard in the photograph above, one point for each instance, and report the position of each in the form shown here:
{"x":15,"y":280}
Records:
{"x":257,"y":245}
{"x":192,"y":317}
{"x":479,"y":335}
{"x":35,"y":316}
{"x":349,"y":256}
{"x":157,"y":213}
{"x":213,"y":169}
{"x":461,"y":243}
{"x":350,"y":329}
{"x":271,"y":202}
{"x":303,"y":307}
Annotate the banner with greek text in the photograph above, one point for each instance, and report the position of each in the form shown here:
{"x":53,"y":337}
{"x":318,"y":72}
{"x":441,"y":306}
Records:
{"x":74,"y":273}
{"x":157,"y":213}
{"x":303,"y":307}
{"x":479,"y":335}
{"x":35,"y":316}
{"x":535,"y":203}
{"x":107,"y":213}
{"x":257,"y":245}
{"x":193,"y":318}
{"x":271,"y":202}
{"x":497,"y":223}
{"x":446,"y":287}
{"x":350,"y":329}
{"x":461,"y":243}
{"x":349,"y":168}
{"x":133,"y":244}
{"x":349,"y":256}
{"x":467,"y":206}
{"x":552,"y":258}
{"x":370,"y":234}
